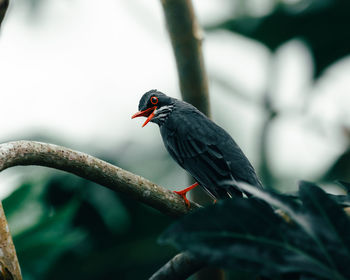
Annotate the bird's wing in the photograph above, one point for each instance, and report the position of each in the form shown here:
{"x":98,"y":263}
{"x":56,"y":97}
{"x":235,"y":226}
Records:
{"x":203,"y":162}
{"x":196,"y":148}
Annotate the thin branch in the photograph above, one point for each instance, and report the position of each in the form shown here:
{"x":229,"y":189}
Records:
{"x":3,"y":8}
{"x":9,"y":266}
{"x":186,"y":38}
{"x":93,"y":169}
{"x":180,"y":267}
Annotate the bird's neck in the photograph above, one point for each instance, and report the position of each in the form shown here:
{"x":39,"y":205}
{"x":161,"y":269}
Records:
{"x":162,"y":114}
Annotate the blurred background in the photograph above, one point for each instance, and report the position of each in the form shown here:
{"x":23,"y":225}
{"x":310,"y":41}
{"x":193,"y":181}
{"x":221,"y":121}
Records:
{"x":72,"y":73}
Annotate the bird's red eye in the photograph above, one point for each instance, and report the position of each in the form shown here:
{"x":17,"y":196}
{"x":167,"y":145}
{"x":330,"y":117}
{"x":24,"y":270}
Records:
{"x":154,"y":100}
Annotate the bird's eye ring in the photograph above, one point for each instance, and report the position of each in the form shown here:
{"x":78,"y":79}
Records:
{"x":154,"y":100}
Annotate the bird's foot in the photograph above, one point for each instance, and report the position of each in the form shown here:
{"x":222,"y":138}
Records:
{"x":184,"y":192}
{"x":183,"y":195}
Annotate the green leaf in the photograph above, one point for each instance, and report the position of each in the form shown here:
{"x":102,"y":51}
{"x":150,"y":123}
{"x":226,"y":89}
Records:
{"x":116,"y":218}
{"x":41,"y":245}
{"x":23,"y":207}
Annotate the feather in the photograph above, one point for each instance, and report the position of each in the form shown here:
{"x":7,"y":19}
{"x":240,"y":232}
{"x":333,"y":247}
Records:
{"x":206,"y":151}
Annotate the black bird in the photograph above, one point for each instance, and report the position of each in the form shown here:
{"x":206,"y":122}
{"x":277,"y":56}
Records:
{"x":198,"y":145}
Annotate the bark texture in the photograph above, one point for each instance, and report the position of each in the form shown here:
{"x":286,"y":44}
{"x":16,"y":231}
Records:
{"x":96,"y":170}
{"x":9,"y":267}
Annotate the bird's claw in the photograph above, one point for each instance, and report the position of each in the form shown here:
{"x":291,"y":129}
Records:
{"x":183,"y":195}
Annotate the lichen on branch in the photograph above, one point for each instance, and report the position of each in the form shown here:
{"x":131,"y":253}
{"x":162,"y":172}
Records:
{"x":96,"y":170}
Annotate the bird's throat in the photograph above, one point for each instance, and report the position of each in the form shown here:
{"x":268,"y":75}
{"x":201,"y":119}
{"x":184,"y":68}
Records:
{"x":162,"y":114}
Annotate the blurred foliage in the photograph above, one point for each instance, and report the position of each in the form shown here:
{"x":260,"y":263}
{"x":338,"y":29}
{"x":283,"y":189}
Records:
{"x":322,"y":24}
{"x":340,"y":168}
{"x":313,"y":244}
{"x":65,"y":227}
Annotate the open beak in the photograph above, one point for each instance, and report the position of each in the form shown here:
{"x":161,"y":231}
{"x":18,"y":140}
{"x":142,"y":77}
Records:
{"x":149,"y":113}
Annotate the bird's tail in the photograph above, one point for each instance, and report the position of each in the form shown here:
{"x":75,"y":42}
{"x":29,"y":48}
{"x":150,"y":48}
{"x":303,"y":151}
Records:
{"x":230,"y":188}
{"x":224,"y":192}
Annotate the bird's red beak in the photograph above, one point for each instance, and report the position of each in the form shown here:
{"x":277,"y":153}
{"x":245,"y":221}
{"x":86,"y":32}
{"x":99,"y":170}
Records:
{"x":149,"y":113}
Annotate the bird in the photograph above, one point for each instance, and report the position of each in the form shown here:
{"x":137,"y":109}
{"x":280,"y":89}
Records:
{"x":201,"y":147}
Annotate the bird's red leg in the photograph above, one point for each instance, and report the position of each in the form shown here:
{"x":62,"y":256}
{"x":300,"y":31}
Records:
{"x":184,"y":192}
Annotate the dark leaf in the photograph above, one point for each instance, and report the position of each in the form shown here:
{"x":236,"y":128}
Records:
{"x":341,"y":200}
{"x":330,"y":225}
{"x":344,"y":185}
{"x":246,"y":234}
{"x":42,"y":244}
{"x":339,"y":169}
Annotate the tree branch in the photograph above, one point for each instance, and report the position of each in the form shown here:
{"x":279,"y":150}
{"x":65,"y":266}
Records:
{"x":3,"y":8}
{"x":180,"y":267}
{"x":186,"y":38}
{"x":93,"y":169}
{"x":9,"y":266}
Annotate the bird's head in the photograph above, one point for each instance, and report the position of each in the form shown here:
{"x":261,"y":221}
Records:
{"x":154,"y":105}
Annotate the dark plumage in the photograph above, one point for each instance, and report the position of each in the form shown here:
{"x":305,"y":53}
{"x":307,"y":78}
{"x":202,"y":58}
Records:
{"x":198,"y":145}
